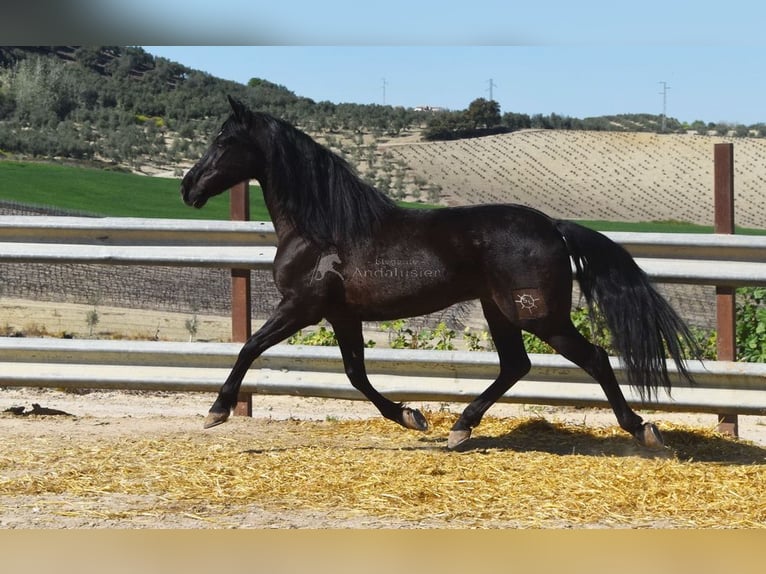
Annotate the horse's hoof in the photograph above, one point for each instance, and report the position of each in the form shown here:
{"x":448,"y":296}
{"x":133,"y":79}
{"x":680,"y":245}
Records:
{"x":214,"y":419}
{"x":649,"y":437}
{"x":457,"y":437}
{"x":414,"y":419}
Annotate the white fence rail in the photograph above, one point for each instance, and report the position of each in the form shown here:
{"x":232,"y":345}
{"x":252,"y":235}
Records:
{"x":724,"y":387}
{"x":130,"y":241}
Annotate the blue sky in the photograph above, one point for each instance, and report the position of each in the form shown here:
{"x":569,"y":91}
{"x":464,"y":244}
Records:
{"x":584,"y":58}
{"x":710,"y":83}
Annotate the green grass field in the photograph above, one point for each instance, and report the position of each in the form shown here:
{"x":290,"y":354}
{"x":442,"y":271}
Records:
{"x":663,"y":227}
{"x":108,"y":193}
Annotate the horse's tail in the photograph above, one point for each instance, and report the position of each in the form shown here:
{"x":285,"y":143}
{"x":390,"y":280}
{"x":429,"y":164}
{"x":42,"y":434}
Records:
{"x":644,"y":327}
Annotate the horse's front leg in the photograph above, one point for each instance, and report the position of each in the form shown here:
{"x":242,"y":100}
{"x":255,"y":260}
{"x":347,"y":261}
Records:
{"x":351,"y":342}
{"x":286,"y":321}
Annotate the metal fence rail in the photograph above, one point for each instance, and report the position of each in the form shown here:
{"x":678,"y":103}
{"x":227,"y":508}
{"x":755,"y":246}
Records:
{"x":404,"y":375}
{"x":132,"y":241}
{"x":731,"y":260}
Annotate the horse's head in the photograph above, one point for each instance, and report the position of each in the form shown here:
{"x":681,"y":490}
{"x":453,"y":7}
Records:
{"x":229,"y":160}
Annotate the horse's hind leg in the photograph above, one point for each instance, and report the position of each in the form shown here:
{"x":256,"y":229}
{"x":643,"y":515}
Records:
{"x":568,"y":341}
{"x":351,"y":342}
{"x":514,"y":364}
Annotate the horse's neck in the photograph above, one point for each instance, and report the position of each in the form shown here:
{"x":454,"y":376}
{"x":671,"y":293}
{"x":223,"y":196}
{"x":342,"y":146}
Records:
{"x":282,"y":224}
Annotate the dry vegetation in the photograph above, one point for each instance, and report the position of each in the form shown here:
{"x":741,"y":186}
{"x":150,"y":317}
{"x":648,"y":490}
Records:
{"x":527,"y":473}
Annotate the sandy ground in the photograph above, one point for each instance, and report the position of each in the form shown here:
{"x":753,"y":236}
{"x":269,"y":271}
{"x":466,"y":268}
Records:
{"x":56,"y":319}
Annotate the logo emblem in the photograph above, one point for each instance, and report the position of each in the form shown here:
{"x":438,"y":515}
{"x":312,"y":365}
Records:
{"x":326,"y":264}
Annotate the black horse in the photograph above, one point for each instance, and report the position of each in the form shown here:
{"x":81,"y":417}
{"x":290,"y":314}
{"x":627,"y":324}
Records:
{"x":348,"y":254}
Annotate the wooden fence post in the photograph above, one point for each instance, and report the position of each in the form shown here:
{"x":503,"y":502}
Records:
{"x":725,"y":296}
{"x":241,"y":316}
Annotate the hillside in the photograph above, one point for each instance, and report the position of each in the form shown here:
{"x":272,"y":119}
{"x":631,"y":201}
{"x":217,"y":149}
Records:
{"x":122,"y":106}
{"x":594,"y":175}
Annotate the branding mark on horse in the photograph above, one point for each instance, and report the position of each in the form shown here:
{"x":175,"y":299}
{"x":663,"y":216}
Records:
{"x":530,"y":303}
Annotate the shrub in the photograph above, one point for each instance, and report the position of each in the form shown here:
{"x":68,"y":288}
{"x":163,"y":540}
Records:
{"x":324,"y":337}
{"x":402,"y":337}
{"x":751,"y":324}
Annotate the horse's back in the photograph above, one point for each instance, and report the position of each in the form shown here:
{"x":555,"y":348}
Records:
{"x":498,"y":240}
{"x":496,"y":228}
{"x":506,"y":216}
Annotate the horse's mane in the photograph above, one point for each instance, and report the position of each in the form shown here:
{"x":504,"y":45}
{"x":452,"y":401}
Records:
{"x":317,"y":190}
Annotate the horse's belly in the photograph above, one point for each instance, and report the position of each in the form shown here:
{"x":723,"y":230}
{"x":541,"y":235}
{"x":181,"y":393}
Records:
{"x":382,"y":292}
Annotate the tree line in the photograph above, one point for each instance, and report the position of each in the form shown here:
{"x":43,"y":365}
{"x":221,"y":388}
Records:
{"x":483,"y":117}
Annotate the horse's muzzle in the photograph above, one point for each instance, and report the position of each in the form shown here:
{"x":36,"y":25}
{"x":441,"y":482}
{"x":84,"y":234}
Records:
{"x":188,"y":183}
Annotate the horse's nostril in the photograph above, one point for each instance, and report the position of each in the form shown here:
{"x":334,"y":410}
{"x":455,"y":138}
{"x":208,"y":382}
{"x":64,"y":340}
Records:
{"x":185,"y":194}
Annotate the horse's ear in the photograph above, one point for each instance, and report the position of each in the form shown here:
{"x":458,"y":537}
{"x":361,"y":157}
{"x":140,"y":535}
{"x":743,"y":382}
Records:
{"x":239,"y":109}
